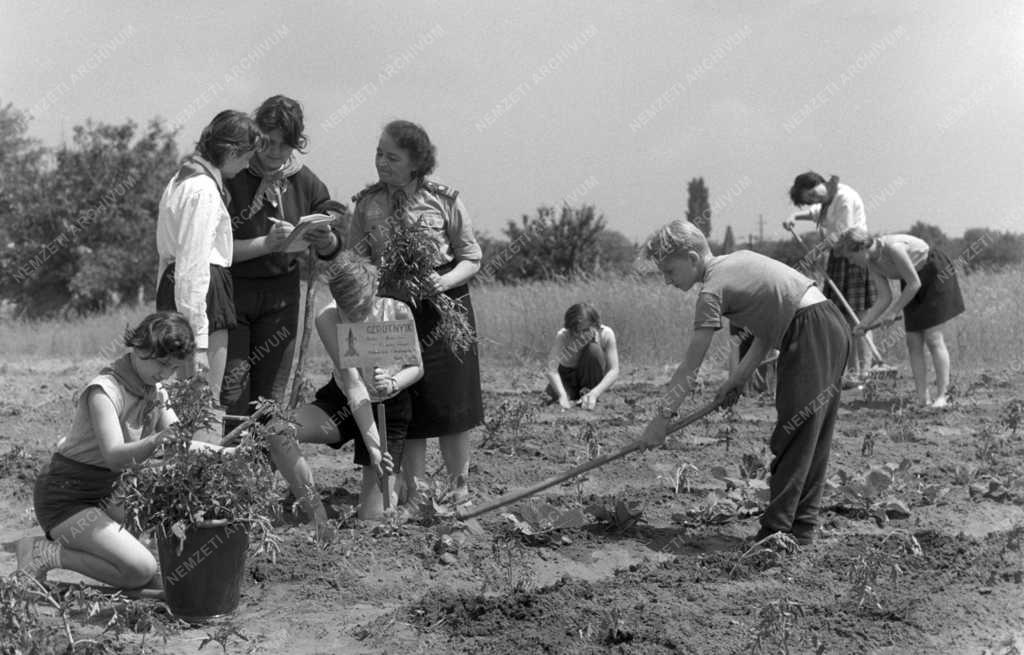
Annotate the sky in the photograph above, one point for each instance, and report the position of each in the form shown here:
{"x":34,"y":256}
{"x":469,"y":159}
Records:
{"x":918,"y":105}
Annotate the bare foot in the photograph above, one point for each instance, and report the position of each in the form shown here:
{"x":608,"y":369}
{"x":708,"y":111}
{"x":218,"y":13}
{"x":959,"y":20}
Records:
{"x":941,"y":402}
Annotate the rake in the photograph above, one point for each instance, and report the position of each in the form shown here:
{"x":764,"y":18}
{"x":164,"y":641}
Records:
{"x":679,"y":424}
{"x":879,"y":369}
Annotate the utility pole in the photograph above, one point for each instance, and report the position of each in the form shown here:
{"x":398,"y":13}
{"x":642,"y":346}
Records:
{"x":760,"y":227}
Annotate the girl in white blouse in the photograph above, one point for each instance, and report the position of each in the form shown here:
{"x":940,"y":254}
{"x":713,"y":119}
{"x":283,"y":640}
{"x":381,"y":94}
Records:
{"x":193,"y":238}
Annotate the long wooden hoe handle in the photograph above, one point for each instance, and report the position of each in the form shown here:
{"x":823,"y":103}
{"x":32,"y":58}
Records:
{"x":582,"y":468}
{"x":838,"y":294}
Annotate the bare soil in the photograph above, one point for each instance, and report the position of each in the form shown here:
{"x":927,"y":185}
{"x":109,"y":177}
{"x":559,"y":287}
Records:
{"x":663,"y":568}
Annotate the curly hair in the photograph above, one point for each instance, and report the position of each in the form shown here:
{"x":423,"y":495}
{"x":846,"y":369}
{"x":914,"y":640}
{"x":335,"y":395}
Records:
{"x":804,"y":182}
{"x":162,"y":334}
{"x":282,"y":113}
{"x":413,"y":139}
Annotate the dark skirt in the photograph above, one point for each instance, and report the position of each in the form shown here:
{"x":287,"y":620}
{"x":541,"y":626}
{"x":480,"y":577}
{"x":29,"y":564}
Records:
{"x":397,"y":412}
{"x":939,"y":298}
{"x":220,"y":297}
{"x":65,"y":487}
{"x":447,"y":399}
{"x":852,"y":281}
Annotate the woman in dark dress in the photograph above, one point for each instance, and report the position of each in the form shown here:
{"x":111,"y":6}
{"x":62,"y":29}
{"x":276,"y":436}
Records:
{"x":447,"y":402}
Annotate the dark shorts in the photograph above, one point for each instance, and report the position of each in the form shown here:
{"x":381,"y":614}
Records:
{"x":65,"y":487}
{"x":447,"y":399}
{"x":397,"y":413}
{"x":220,"y":301}
{"x":939,"y":298}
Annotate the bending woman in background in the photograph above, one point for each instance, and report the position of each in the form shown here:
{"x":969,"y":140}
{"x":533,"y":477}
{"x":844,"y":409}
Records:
{"x":835,"y":208}
{"x":931,"y":296}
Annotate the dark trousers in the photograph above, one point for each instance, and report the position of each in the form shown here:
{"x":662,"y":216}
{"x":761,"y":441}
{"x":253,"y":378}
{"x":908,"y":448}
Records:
{"x":587,"y":374}
{"x":812,"y":358}
{"x":262,"y":344}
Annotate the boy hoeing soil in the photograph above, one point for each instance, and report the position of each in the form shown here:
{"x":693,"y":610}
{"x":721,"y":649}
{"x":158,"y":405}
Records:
{"x":782,"y":309}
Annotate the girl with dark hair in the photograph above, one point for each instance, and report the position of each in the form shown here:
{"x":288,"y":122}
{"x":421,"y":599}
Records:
{"x":835,"y":207}
{"x":447,"y":402}
{"x":930,"y":297}
{"x":267,"y":200}
{"x":193,"y":238}
{"x":120,"y":421}
{"x":584,"y":359}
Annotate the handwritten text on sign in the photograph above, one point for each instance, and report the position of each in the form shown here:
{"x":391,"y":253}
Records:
{"x":381,"y":344}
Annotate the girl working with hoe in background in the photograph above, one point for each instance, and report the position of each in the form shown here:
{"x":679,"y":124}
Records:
{"x":930,"y":297}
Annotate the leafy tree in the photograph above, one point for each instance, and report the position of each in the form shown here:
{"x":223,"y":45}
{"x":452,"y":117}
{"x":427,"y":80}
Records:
{"x":86,"y":235}
{"x":728,"y":241}
{"x":982,"y":248}
{"x":21,"y":163}
{"x":615,"y":253}
{"x":934,"y":235}
{"x":544,"y":247}
{"x":698,"y":209}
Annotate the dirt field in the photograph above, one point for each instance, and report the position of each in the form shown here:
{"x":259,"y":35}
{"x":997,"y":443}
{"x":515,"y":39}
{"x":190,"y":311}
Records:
{"x":925,"y":555}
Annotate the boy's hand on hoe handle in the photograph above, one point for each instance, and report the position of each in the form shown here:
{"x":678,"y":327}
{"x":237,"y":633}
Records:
{"x":657,"y":430}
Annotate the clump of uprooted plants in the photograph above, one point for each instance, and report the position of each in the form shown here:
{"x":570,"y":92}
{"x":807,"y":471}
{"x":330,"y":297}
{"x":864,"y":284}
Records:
{"x":407,"y":266}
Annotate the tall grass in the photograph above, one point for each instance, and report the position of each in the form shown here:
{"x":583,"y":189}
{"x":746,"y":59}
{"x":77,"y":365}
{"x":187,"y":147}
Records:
{"x":516,"y":324}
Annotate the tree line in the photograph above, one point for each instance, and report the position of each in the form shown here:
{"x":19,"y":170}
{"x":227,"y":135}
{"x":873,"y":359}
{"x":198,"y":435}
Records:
{"x":77,"y":225}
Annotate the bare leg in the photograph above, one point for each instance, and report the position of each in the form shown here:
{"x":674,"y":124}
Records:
{"x":861,"y":360}
{"x":314,"y":427}
{"x":414,"y":467}
{"x":91,"y":543}
{"x":371,"y":500}
{"x":455,"y":453}
{"x":940,"y":360}
{"x":915,"y":347}
{"x":217,"y":355}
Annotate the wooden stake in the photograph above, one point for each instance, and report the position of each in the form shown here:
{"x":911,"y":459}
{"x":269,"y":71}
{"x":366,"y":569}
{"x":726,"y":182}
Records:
{"x":582,"y":468}
{"x":382,"y":431}
{"x":299,"y":374}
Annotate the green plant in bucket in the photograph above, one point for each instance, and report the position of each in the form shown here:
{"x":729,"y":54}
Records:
{"x":207,"y":507}
{"x":188,"y":488}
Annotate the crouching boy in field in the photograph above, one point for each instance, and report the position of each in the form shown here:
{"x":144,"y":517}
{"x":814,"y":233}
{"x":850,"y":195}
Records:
{"x":782,"y":309}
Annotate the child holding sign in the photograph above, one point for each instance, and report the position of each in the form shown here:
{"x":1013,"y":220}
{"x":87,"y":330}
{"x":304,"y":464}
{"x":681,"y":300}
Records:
{"x":373,"y":345}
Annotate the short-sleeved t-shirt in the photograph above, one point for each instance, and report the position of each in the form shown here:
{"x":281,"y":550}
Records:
{"x":437,"y":205}
{"x":138,"y":416}
{"x":753,"y":291}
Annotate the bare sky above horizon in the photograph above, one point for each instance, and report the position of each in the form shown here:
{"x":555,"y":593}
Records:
{"x":917,"y":105}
